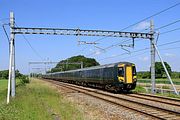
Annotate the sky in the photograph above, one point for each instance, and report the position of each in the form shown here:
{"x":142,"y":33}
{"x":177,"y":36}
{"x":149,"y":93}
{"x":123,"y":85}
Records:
{"x":89,"y":14}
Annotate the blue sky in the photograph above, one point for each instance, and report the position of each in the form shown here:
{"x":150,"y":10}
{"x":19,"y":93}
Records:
{"x":88,"y":14}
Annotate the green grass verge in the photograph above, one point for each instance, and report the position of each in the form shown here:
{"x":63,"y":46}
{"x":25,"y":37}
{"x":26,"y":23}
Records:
{"x":3,"y":89}
{"x":168,"y":95}
{"x":139,"y":89}
{"x":159,"y":81}
{"x":36,"y":101}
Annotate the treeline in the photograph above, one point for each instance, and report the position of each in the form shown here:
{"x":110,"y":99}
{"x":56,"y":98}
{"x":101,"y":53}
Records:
{"x":147,"y":75}
{"x":159,"y":72}
{"x":65,"y":65}
{"x":4,"y":74}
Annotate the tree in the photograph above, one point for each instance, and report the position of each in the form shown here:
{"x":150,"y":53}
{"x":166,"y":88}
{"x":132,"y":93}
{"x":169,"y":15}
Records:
{"x":63,"y":64}
{"x":144,"y":74}
{"x":4,"y":74}
{"x":159,"y":70}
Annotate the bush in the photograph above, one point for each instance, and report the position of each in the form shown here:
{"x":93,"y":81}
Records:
{"x":24,"y":79}
{"x":144,"y":75}
{"x":139,"y":89}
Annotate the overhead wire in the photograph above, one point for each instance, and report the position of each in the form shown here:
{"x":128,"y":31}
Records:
{"x":6,"y":33}
{"x":8,"y":39}
{"x":111,"y":46}
{"x":117,"y":44}
{"x":168,"y":24}
{"x":144,"y":52}
{"x":155,"y":14}
{"x":169,"y":31}
{"x":33,"y":49}
{"x":148,"y":18}
{"x":140,"y":50}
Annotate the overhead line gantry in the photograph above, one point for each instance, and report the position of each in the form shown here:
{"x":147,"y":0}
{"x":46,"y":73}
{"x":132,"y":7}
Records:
{"x":58,"y":31}
{"x":76,"y":32}
{"x":80,"y":32}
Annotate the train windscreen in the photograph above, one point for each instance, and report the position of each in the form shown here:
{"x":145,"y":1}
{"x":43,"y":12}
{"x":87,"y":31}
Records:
{"x":121,"y":72}
{"x":134,"y":70}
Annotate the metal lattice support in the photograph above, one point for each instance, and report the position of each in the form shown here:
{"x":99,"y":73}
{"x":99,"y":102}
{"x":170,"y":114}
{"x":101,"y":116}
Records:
{"x":79,"y":32}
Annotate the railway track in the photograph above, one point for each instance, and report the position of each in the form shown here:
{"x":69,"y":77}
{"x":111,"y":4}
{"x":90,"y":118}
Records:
{"x":157,"y":108}
{"x":160,"y":99}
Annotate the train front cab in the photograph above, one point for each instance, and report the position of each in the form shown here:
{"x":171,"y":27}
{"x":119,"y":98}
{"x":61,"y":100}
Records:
{"x":127,"y":76}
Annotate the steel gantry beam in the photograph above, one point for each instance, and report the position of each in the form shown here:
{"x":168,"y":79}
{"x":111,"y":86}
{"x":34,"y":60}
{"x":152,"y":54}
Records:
{"x":80,"y":32}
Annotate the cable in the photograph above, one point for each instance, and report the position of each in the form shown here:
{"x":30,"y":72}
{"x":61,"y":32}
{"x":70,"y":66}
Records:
{"x":170,"y":48}
{"x":147,"y":51}
{"x":111,"y":46}
{"x":31,"y":46}
{"x":140,"y":50}
{"x":152,"y":15}
{"x":6,"y":36}
{"x":1,"y":20}
{"x":4,"y":19}
{"x":164,"y":10}
{"x":169,"y":31}
{"x":168,"y":25}
{"x":116,"y":45}
{"x":6,"y":33}
{"x":148,"y":18}
{"x":143,"y":30}
{"x":169,"y":43}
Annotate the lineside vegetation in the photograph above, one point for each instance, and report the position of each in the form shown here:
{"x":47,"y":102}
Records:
{"x":36,"y":101}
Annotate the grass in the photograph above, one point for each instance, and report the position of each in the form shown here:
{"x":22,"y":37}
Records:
{"x":3,"y":89}
{"x":139,"y":89}
{"x":36,"y":101}
{"x":160,"y":81}
{"x":169,"y":95}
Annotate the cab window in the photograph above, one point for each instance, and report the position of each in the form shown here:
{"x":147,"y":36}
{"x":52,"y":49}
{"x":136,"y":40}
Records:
{"x":134,"y":70}
{"x":121,"y":72}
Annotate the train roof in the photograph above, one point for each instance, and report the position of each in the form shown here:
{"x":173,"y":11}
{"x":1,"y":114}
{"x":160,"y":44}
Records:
{"x":94,"y":67}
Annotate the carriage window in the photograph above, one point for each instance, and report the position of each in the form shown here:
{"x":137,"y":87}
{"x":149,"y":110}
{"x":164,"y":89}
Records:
{"x":121,"y":71}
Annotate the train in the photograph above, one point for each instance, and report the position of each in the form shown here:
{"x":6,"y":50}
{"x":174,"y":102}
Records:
{"x":115,"y":77}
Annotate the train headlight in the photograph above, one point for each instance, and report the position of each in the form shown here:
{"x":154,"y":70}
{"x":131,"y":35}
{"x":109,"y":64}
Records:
{"x":135,"y":79}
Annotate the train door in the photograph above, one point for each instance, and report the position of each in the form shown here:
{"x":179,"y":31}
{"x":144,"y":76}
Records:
{"x":129,"y":78}
{"x":101,"y":75}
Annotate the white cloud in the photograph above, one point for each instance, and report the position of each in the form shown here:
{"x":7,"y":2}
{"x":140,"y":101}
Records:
{"x":113,"y":55}
{"x":169,"y":55}
{"x":142,"y":26}
{"x":144,"y":58}
{"x":91,"y":50}
{"x":97,"y":52}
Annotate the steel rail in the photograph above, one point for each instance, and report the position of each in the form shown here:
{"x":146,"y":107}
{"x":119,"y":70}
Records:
{"x":91,"y":93}
{"x":155,"y":99}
